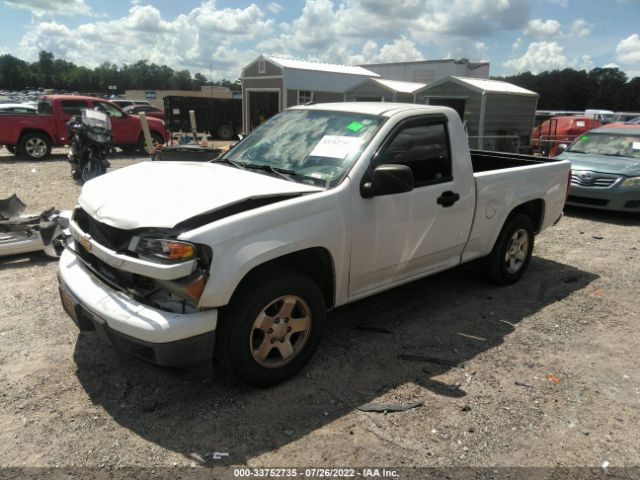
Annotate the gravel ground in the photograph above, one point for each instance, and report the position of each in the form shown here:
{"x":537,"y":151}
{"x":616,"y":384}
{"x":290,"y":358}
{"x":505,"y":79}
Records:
{"x":69,"y":400}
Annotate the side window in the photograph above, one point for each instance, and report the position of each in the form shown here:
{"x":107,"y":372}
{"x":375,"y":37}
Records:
{"x":424,"y":149}
{"x":73,"y":107}
{"x":262,"y":66}
{"x":109,"y":109}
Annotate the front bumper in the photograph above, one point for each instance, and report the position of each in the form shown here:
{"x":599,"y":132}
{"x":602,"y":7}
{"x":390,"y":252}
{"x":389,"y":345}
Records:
{"x":618,"y":199}
{"x":160,"y":337}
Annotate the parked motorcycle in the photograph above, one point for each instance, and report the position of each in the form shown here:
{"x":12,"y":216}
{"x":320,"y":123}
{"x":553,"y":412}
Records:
{"x":91,"y":143}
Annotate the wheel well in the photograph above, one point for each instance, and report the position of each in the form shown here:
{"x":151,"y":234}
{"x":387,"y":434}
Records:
{"x":534,"y":209}
{"x":315,"y":263}
{"x":28,"y":131}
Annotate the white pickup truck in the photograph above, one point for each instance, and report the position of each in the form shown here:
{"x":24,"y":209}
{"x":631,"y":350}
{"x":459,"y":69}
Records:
{"x":239,"y":258}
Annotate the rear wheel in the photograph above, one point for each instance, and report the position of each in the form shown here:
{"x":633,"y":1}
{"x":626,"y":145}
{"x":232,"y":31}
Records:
{"x":271,"y":328}
{"x":511,"y":253}
{"x":35,"y":146}
{"x":225,"y":132}
{"x":156,"y":138}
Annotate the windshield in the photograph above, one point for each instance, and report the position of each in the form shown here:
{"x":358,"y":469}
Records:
{"x":310,"y":146}
{"x":614,"y":144}
{"x":95,"y":119}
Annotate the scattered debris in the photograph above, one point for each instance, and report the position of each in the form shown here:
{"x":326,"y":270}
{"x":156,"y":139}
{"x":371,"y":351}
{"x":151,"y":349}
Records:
{"x":370,"y":328}
{"x":288,"y":433}
{"x":597,"y":237}
{"x":552,"y":378}
{"x":31,"y":233}
{"x":522,"y":384}
{"x":198,"y":458}
{"x":389,"y":407}
{"x":466,"y":408}
{"x":421,"y":358}
{"x":219,"y":455}
{"x":605,"y":464}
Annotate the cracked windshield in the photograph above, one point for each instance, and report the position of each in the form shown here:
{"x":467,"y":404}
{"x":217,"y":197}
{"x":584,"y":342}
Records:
{"x":307,"y":146}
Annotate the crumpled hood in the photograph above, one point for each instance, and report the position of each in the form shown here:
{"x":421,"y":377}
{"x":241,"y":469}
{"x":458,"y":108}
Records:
{"x":627,"y":166}
{"x":163,"y":194}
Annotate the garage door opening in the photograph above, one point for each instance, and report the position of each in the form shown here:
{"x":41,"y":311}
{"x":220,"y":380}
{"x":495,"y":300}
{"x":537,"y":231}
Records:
{"x":262,"y":105}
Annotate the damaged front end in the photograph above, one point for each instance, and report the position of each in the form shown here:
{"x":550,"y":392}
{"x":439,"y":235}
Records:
{"x":149,"y":265}
{"x":21,"y":234}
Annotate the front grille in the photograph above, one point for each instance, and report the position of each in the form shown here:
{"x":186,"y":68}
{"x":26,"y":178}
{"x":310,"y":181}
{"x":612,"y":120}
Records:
{"x":113,"y":238}
{"x":588,"y":201}
{"x":595,"y":181}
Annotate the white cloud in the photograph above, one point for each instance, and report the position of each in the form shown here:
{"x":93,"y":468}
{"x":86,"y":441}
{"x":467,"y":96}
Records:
{"x":580,"y":28}
{"x":562,"y":3}
{"x":204,"y":36}
{"x":401,"y":50}
{"x":628,"y":55}
{"x":539,"y":56}
{"x":517,"y":44}
{"x":628,"y":50}
{"x":274,"y":7}
{"x":539,"y":28}
{"x":335,"y":31}
{"x":40,"y":8}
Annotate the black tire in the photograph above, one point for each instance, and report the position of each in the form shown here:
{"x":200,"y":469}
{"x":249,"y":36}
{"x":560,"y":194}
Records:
{"x":225,"y":132}
{"x":265,"y":295}
{"x":91,"y":170}
{"x":510,"y":256}
{"x":35,"y":146}
{"x":156,"y":138}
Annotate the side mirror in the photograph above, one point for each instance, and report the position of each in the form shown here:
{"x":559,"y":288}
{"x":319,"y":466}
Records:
{"x":388,"y":179}
{"x":562,"y":147}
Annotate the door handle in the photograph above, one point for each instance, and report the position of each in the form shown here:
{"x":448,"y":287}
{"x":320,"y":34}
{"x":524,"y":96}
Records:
{"x":448,"y":198}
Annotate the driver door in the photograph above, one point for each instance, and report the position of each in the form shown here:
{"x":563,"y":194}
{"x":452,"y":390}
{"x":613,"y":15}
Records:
{"x":399,"y":237}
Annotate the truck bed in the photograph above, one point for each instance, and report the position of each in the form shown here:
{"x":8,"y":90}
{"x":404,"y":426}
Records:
{"x":484,"y":161}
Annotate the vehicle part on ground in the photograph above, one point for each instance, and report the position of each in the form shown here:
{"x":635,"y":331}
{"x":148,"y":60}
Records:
{"x":272,"y":327}
{"x":35,"y":146}
{"x":31,"y":233}
{"x":512,"y":251}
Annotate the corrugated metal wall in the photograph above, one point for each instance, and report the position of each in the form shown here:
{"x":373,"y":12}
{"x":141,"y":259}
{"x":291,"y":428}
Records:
{"x":454,"y":90}
{"x":509,"y":114}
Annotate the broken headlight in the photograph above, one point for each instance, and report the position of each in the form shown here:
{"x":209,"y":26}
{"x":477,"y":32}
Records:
{"x":163,"y":249}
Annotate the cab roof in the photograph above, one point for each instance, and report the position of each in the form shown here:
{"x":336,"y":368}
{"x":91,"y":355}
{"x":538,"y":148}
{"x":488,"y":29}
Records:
{"x":386,"y":109}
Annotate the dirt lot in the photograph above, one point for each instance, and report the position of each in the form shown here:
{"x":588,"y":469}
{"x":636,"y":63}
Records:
{"x":68,"y":400}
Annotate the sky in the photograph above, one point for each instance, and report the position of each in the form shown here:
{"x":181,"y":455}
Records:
{"x":219,"y":37}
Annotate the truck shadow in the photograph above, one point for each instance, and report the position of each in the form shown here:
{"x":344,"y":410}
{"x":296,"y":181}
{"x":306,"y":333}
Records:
{"x":441,"y":322}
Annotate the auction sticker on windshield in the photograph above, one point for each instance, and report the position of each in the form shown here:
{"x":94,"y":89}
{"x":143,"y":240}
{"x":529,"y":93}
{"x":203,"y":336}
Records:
{"x":336,"y":146}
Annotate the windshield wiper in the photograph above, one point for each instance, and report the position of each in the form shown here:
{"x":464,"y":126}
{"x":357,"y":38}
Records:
{"x":228,"y":161}
{"x":280,"y":172}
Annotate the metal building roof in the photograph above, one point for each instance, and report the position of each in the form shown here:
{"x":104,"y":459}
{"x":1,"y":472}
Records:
{"x":285,"y":62}
{"x":480,"y":85}
{"x":398,"y":86}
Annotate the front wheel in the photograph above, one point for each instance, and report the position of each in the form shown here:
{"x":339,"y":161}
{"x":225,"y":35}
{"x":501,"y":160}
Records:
{"x":271,"y":328}
{"x":511,"y":253}
{"x":92,"y":169}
